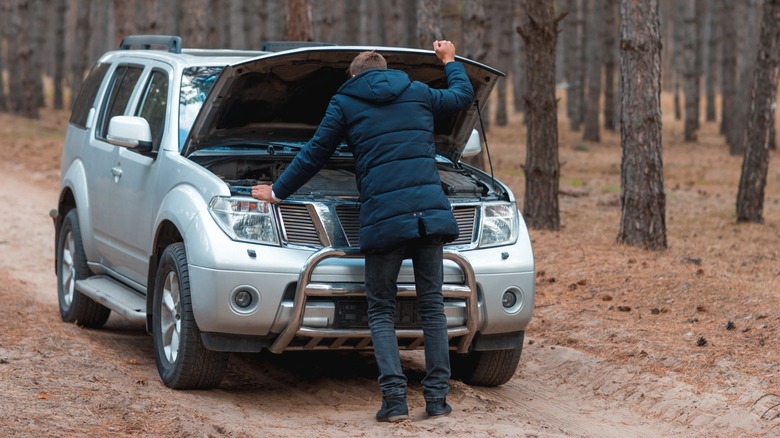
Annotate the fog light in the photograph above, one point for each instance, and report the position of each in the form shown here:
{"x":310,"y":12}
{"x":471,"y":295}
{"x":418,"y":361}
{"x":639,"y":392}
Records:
{"x":243,"y":299}
{"x":509,"y":299}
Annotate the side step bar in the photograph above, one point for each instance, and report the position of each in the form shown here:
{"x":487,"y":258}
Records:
{"x":114,"y":295}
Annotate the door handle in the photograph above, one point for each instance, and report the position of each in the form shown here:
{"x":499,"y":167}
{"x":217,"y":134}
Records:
{"x":117,"y":172}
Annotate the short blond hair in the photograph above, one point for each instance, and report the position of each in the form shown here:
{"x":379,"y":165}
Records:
{"x":367,"y":61}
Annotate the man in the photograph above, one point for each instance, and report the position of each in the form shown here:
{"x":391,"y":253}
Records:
{"x":387,"y":121}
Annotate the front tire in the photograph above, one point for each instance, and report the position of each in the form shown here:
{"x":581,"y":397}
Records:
{"x":182,"y":360}
{"x":72,"y":266}
{"x":486,"y":368}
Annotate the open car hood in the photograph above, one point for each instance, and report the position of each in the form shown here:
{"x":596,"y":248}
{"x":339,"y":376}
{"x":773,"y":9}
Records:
{"x":282,"y":97}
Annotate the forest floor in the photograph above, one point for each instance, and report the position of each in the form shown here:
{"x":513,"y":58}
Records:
{"x":624,"y":342}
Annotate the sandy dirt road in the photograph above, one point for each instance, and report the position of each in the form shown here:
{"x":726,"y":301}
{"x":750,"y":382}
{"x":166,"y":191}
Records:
{"x":59,"y":379}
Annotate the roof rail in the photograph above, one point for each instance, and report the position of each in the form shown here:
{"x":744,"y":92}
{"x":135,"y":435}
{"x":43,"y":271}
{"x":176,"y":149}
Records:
{"x":279,"y":46}
{"x":145,"y":42}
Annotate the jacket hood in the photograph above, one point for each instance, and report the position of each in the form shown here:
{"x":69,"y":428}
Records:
{"x":282,"y":96}
{"x":376,"y":85}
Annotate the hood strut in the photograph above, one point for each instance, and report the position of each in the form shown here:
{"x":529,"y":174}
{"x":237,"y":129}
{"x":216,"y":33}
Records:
{"x":487,"y":149}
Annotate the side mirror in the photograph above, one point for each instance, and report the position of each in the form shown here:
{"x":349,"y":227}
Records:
{"x":130,"y":132}
{"x":473,"y":145}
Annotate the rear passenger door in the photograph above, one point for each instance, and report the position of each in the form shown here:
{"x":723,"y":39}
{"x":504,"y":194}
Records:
{"x":100,"y":157}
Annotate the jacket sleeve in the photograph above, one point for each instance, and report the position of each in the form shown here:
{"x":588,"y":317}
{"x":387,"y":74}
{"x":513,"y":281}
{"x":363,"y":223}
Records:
{"x":315,"y":154}
{"x":459,"y":94}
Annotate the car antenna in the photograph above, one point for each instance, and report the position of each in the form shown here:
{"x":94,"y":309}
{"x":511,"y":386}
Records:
{"x":487,"y":149}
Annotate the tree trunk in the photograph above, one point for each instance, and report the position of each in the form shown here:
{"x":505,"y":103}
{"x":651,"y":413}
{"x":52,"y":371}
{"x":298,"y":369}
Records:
{"x":352,"y":22}
{"x":728,"y":72}
{"x":713,"y":42}
{"x":237,"y":11}
{"x":428,"y":23}
{"x":9,"y":27}
{"x":78,"y":57}
{"x":26,"y":54}
{"x":503,"y":28}
{"x":473,"y":36}
{"x":519,"y":72}
{"x":678,"y":63}
{"x":690,"y":82}
{"x":124,"y":16}
{"x":575,"y":73}
{"x":59,"y":53}
{"x":595,"y":47}
{"x":737,"y":128}
{"x":323,"y":16}
{"x":610,"y":51}
{"x":642,"y":197}
{"x":195,"y":27}
{"x":542,"y":169}
{"x":750,"y":198}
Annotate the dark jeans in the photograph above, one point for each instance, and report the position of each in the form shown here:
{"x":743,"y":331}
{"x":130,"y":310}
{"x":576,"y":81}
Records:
{"x":381,"y":278}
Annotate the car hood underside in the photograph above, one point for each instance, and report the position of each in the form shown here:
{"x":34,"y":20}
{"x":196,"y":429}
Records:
{"x":283,"y":96}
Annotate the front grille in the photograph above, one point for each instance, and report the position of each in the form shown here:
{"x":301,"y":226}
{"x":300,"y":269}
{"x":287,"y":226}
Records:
{"x":465,"y":216}
{"x":298,"y":226}
{"x":349,"y":216}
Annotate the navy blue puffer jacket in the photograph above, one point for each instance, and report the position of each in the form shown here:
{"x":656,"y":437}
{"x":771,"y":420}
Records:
{"x":387,"y":121}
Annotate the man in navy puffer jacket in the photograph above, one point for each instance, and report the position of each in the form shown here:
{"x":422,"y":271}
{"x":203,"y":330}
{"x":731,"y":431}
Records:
{"x":387,"y":121}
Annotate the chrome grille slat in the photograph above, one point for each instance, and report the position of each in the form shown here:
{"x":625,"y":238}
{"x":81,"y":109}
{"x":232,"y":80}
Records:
{"x":298,"y":226}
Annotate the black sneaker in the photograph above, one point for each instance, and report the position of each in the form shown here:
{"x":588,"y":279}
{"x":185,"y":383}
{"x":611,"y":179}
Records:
{"x":437,"y":408}
{"x":393,"y":409}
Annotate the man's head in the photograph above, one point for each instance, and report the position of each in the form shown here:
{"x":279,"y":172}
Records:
{"x":367,"y":61}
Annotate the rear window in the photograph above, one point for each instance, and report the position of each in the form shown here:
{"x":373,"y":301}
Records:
{"x":86,"y":97}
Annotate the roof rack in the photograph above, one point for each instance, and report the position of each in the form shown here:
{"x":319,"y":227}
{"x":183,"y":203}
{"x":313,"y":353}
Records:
{"x":279,"y":46}
{"x":145,"y":42}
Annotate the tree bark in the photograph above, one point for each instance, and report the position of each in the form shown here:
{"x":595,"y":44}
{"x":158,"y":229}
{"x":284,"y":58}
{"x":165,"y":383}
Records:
{"x":542,"y":169}
{"x":519,"y":73}
{"x":738,"y":126}
{"x":714,"y":26}
{"x":503,"y":28}
{"x":10,"y":29}
{"x":61,"y":9}
{"x":610,"y":51}
{"x":428,"y":23}
{"x":678,"y":63}
{"x":728,"y":72}
{"x":691,"y":82}
{"x":750,"y":197}
{"x":25,"y":51}
{"x":473,"y":37}
{"x":575,"y":73}
{"x":595,"y":47}
{"x":642,"y":197}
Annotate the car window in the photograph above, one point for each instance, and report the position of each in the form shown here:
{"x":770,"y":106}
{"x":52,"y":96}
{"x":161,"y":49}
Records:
{"x":86,"y":97}
{"x":153,"y":105}
{"x":195,"y":85}
{"x":121,"y":88}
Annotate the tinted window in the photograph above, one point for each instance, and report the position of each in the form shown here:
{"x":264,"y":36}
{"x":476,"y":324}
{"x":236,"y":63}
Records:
{"x":154,"y":104}
{"x":86,"y":97}
{"x":122,"y":85}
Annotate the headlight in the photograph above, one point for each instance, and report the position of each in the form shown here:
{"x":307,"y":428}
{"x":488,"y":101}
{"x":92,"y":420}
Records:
{"x":245,"y":219}
{"x":499,"y":225}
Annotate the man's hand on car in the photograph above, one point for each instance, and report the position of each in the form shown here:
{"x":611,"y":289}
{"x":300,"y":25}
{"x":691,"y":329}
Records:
{"x":263,"y":192}
{"x":445,"y":51}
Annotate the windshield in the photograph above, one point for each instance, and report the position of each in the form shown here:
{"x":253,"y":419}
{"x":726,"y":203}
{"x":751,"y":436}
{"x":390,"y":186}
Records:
{"x":195,"y":85}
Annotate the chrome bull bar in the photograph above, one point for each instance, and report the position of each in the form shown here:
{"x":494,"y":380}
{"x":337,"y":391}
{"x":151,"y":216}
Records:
{"x":306,"y":288}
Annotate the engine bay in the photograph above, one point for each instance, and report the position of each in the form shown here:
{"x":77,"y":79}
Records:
{"x":337,"y":179}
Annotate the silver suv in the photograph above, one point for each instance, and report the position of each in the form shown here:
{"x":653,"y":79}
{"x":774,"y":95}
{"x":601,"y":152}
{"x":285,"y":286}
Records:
{"x":155,"y":222}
